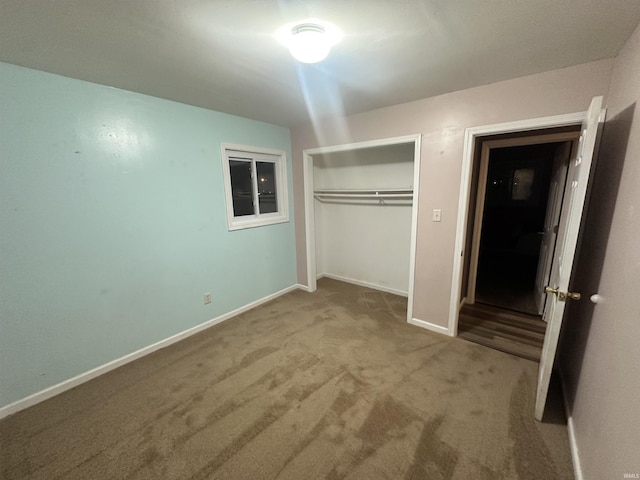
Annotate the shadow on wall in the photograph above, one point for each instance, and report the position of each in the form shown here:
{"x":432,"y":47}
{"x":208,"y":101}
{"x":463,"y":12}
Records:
{"x":595,"y":237}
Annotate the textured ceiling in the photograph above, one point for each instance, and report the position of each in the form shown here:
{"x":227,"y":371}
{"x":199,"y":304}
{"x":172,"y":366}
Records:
{"x":223,"y":55}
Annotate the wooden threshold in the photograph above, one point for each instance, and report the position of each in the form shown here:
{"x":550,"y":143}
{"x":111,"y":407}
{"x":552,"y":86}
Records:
{"x":512,"y":332}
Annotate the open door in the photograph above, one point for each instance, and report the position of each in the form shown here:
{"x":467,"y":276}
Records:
{"x":558,"y":289}
{"x":551,"y":222}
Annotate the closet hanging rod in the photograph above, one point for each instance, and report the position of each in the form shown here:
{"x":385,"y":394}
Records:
{"x":364,"y":195}
{"x":364,"y":192}
{"x":397,"y":193}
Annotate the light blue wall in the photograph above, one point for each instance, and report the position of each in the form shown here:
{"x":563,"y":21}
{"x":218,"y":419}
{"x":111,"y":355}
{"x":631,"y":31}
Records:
{"x":113,"y":226}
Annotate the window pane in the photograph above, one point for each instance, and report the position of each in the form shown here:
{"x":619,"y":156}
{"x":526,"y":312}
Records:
{"x":267,"y":187}
{"x":241,"y":190}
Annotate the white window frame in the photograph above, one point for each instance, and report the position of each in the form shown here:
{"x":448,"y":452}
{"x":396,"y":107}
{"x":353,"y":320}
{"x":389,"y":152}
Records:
{"x":279,"y":157}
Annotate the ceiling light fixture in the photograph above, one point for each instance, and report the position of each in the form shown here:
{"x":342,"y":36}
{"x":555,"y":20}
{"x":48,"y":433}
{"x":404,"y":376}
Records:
{"x":309,"y":41}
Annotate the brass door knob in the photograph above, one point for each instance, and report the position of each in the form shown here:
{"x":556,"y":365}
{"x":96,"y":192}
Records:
{"x":562,"y":296}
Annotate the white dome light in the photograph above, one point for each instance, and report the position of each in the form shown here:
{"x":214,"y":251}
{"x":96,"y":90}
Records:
{"x":309,"y":41}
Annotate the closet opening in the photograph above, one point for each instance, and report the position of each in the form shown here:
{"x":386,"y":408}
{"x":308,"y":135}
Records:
{"x":361,"y":215}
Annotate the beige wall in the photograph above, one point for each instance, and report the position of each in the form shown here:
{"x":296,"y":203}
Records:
{"x":600,"y":349}
{"x":442,"y":121}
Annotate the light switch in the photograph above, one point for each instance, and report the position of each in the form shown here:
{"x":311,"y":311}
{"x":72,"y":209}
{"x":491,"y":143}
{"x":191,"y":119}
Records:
{"x":437,"y":214}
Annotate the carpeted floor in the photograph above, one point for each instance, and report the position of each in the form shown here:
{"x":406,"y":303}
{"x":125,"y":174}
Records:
{"x":333,"y":385}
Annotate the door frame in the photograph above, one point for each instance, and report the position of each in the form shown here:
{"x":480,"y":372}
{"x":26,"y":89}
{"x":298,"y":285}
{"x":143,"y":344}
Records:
{"x":471,"y":135}
{"x":309,"y":210}
{"x":485,"y":157}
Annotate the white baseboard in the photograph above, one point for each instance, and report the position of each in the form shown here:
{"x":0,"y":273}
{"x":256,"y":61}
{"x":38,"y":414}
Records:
{"x":575,"y":456}
{"x":299,"y":286}
{"x":365,"y":284}
{"x":430,"y":326}
{"x":86,"y":376}
{"x":573,"y":446}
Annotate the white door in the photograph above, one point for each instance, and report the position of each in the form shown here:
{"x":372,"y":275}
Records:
{"x":574,"y":199}
{"x":552,"y":218}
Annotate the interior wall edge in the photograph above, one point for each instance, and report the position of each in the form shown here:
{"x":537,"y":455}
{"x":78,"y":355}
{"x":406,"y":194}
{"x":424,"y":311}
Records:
{"x":70,"y":383}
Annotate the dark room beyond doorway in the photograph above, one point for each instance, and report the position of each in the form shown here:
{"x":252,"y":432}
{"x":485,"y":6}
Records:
{"x":515,"y":207}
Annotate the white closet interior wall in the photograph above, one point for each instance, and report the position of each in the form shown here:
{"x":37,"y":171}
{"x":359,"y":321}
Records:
{"x":366,"y":242}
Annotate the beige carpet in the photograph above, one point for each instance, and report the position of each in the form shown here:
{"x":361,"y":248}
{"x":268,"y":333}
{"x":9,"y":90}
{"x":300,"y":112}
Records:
{"x":331,"y":385}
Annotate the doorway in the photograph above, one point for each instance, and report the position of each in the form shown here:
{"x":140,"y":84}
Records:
{"x":474,"y":140}
{"x":513,"y":221}
{"x":516,"y":201}
{"x":574,"y":199}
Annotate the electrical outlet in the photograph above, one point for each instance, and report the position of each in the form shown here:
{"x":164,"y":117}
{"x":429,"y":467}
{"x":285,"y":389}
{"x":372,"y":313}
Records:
{"x":207,"y":298}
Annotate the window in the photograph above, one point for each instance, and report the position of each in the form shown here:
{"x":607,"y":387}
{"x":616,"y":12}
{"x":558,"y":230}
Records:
{"x":255,"y":183}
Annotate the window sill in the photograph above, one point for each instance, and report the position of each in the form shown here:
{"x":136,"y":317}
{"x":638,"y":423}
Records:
{"x":254,"y":222}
